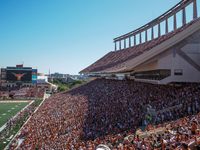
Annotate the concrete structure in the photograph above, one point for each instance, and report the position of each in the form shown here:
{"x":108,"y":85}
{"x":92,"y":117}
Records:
{"x":162,"y":59}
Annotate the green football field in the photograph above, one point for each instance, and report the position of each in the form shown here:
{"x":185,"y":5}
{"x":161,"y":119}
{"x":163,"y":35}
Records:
{"x":10,"y":109}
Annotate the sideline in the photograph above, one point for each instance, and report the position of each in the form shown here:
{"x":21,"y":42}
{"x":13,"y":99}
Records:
{"x":4,"y":126}
{"x":15,"y":101}
{"x":46,"y":96}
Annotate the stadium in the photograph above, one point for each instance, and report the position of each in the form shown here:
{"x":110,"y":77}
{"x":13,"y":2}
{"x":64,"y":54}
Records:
{"x":144,"y":95}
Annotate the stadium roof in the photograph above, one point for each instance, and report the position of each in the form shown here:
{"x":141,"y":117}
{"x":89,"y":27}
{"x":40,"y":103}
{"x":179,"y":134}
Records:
{"x":124,"y":60}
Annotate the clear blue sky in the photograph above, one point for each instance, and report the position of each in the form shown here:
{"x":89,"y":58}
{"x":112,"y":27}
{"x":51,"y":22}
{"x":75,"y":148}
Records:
{"x":68,"y":35}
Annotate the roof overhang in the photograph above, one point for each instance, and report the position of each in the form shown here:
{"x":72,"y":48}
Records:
{"x":133,"y":63}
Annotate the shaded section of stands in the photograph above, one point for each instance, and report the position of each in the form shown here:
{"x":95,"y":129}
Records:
{"x":104,"y":112}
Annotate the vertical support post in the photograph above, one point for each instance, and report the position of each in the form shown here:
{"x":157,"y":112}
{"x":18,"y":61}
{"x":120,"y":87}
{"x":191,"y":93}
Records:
{"x":195,"y":9}
{"x":134,"y":40}
{"x":152,"y":33}
{"x":175,"y":23}
{"x":159,"y":32}
{"x":129,"y":41}
{"x":120,"y":45}
{"x":115,"y":45}
{"x":146,"y":36}
{"x":166,"y":26}
{"x":183,"y":16}
{"x":124,"y":43}
{"x":140,"y":37}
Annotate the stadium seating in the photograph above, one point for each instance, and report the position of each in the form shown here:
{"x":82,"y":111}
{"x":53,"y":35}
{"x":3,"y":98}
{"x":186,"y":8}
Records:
{"x":22,"y":93}
{"x":123,"y":114}
{"x":105,"y":112}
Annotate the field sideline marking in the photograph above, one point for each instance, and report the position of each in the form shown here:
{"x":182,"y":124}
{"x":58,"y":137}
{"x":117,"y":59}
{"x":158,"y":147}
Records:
{"x":4,"y":126}
{"x":15,"y":101}
{"x":45,"y":97}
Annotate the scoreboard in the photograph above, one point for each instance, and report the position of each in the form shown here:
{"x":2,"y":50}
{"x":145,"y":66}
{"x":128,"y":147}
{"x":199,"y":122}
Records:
{"x":14,"y":74}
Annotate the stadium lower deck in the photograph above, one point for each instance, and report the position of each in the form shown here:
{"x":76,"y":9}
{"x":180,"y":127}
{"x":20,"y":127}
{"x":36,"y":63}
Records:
{"x":108,"y":111}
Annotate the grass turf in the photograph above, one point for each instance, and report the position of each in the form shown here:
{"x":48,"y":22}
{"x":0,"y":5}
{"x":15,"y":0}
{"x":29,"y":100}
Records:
{"x":19,"y":124}
{"x":8,"y":110}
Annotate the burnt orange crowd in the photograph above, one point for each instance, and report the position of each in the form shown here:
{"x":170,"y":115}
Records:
{"x":110,"y":112}
{"x":19,"y":93}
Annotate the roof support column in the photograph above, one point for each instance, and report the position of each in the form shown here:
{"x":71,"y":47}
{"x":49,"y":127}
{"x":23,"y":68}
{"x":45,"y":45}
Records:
{"x":115,"y":46}
{"x":146,"y":36}
{"x":166,"y":26}
{"x":140,"y":37}
{"x":124,"y":43}
{"x":134,"y":40}
{"x":152,"y":33}
{"x":120,"y":45}
{"x":195,"y":9}
{"x":184,"y":16}
{"x":129,"y":41}
{"x":175,"y":23}
{"x":159,"y":32}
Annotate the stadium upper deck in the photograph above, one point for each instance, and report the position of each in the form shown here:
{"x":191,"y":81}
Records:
{"x":146,"y":58}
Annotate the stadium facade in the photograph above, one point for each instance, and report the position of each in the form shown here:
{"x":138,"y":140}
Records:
{"x":18,"y":76}
{"x":161,"y":52}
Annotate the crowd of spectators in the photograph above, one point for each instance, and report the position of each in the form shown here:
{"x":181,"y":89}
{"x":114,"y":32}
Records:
{"x":181,"y":134}
{"x":107,"y":111}
{"x":20,"y":93}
